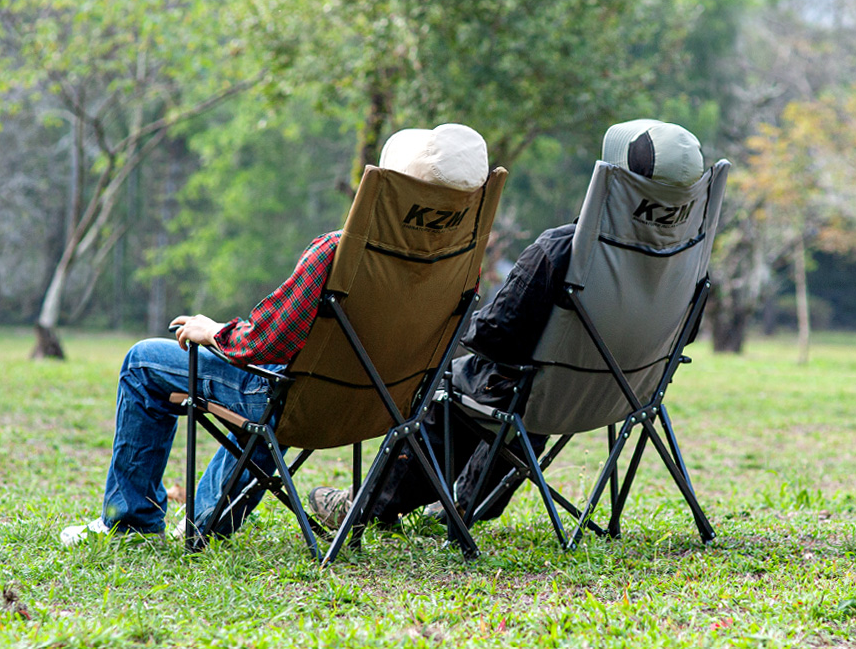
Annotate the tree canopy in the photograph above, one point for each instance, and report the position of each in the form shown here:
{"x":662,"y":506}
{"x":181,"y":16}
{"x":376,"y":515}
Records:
{"x":117,"y":73}
{"x":152,"y":190}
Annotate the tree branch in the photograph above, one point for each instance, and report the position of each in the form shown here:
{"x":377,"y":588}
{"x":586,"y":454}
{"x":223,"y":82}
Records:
{"x":198,"y":109}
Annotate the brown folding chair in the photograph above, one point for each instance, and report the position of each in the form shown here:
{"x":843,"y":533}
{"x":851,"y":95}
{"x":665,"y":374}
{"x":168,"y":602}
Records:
{"x":398,"y":296}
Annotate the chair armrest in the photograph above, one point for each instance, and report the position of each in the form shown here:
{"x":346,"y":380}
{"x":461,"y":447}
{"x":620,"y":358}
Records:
{"x":265,"y":373}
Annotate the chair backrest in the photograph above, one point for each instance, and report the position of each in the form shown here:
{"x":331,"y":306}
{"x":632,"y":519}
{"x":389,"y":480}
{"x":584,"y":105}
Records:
{"x":639,"y":250}
{"x":410,"y":253}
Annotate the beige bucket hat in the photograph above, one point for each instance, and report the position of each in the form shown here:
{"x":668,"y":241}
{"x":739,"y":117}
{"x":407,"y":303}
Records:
{"x":451,"y":155}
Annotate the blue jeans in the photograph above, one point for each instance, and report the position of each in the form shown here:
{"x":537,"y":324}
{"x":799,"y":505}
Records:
{"x":134,"y":496}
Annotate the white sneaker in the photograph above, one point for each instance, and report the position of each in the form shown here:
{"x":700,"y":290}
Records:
{"x":76,"y":533}
{"x":178,"y":531}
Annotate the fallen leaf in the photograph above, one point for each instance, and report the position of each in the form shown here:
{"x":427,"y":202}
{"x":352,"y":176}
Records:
{"x":724,"y":623}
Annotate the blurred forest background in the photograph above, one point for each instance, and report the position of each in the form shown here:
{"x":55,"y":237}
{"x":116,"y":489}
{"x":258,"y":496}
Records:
{"x":174,"y":156}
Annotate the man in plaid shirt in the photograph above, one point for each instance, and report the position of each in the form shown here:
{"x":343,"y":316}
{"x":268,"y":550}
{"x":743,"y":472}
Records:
{"x":135,"y":499}
{"x":277,"y":328}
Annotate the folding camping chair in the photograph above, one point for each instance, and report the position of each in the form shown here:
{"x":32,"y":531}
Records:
{"x":634,"y":294}
{"x":398,"y":296}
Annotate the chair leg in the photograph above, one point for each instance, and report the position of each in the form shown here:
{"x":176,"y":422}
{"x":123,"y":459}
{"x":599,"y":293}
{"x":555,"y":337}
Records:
{"x":614,"y":524}
{"x":510,"y":480}
{"x":673,"y":445}
{"x":230,"y":484}
{"x":600,"y":485}
{"x":448,"y":446}
{"x":521,"y":472}
{"x":379,"y":478}
{"x":432,"y":470}
{"x":356,"y":483}
{"x":191,"y":534}
{"x":704,"y":527}
{"x":364,"y":498}
{"x":261,"y":478}
{"x":357,"y":466}
{"x":291,"y":491}
{"x":569,"y":507}
{"x":548,"y":457}
{"x":262,"y":482}
{"x":451,"y":531}
{"x":619,"y":503}
{"x":492,"y":457}
{"x":538,"y":478}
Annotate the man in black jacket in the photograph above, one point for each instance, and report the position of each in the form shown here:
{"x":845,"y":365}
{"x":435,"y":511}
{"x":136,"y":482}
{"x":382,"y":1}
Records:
{"x":506,"y":331}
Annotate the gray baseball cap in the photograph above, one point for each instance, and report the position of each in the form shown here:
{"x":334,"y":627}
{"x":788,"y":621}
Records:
{"x":664,"y":152}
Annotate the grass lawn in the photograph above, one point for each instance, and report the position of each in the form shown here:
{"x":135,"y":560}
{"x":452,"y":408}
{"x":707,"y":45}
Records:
{"x":769,"y":448}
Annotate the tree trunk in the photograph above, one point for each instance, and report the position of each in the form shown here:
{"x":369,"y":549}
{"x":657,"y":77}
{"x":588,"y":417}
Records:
{"x":368,"y":137}
{"x":47,"y":344}
{"x":47,"y":340}
{"x":729,"y":320}
{"x":769,"y":315}
{"x":89,"y":222}
{"x":801,"y":286}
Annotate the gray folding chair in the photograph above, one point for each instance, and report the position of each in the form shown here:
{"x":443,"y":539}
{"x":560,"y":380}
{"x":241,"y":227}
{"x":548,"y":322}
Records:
{"x":634,"y":294}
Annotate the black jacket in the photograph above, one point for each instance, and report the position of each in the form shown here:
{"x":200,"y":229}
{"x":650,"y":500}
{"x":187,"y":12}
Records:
{"x":508,"y":329}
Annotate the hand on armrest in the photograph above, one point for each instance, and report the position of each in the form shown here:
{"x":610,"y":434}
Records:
{"x":196,"y":329}
{"x":201,"y":329}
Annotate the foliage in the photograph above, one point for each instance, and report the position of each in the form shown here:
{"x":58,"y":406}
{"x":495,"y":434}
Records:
{"x":795,"y":188}
{"x":261,"y":176}
{"x":769,"y":450}
{"x":549,"y":76}
{"x":267,"y":184}
{"x":787,"y":52}
{"x":513,"y":70}
{"x":117,"y":73}
{"x":798,"y":176}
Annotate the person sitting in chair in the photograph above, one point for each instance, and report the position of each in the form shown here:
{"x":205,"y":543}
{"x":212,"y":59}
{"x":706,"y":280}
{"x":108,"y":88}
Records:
{"x":135,"y":500}
{"x":508,"y":329}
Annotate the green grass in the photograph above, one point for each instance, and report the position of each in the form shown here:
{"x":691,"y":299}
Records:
{"x":769,"y":445}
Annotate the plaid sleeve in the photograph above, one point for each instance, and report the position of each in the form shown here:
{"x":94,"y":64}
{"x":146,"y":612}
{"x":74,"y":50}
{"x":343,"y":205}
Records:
{"x":277,"y":327}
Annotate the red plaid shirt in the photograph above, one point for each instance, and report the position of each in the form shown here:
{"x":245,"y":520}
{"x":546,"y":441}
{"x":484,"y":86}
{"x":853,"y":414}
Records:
{"x":277,"y":328}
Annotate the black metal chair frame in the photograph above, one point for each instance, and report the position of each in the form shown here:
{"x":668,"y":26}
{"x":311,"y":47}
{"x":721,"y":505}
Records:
{"x":641,"y":413}
{"x":407,"y":430}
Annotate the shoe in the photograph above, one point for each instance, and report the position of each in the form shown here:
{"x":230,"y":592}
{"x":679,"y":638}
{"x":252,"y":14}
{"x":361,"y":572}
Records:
{"x":78,"y":533}
{"x":435,"y":511}
{"x":330,"y":506}
{"x":178,"y":531}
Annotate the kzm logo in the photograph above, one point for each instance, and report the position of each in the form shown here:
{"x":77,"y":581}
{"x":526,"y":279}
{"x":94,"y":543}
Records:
{"x":428,"y":217}
{"x":657,"y":214}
